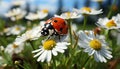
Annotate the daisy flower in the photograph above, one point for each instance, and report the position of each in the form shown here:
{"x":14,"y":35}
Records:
{"x":32,"y":16}
{"x":14,"y":30}
{"x":88,"y":11}
{"x":17,"y":29}
{"x":109,"y":23}
{"x":14,"y":48}
{"x":100,"y":1}
{"x":39,"y":15}
{"x":94,"y":45}
{"x":68,"y":15}
{"x":32,"y":34}
{"x":7,"y":30}
{"x":43,"y":13}
{"x":49,"y":48}
{"x":16,"y":14}
{"x":18,"y":2}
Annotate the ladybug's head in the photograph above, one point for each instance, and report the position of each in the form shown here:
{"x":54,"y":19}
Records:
{"x":47,"y":29}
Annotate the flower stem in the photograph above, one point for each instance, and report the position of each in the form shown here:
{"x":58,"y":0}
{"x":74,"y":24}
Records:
{"x":110,"y":12}
{"x":86,"y":61}
{"x":34,"y":49}
{"x":107,"y":34}
{"x":19,"y":65}
{"x":70,"y":30}
{"x":54,"y":63}
{"x":76,"y":42}
{"x":85,"y":21}
{"x":32,"y":44}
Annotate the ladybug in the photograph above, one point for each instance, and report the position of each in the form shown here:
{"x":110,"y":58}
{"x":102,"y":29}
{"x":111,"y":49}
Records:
{"x":55,"y":26}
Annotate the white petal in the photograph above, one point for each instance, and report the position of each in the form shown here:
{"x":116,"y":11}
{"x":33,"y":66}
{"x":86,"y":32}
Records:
{"x":96,"y":56}
{"x":61,"y":47}
{"x":100,"y":57}
{"x":44,"y":56}
{"x":36,"y":51}
{"x":49,"y":56}
{"x":63,"y":43}
{"x":59,"y":50}
{"x":39,"y":53}
{"x":41,"y":57}
{"x":105,"y":50}
{"x":91,"y":52}
{"x":105,"y":54}
{"x":54,"y":52}
{"x":87,"y":49}
{"x":82,"y":44}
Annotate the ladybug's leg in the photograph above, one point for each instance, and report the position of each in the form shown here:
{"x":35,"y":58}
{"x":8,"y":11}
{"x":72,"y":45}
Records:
{"x":51,"y":33}
{"x":48,"y":37}
{"x":59,"y":38}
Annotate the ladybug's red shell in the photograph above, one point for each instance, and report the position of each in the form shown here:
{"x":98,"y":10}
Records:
{"x":59,"y":25}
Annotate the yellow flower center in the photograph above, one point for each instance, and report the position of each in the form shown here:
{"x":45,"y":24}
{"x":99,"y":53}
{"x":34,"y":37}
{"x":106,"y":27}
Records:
{"x":111,"y":23}
{"x":15,"y":46}
{"x":17,"y":28}
{"x":86,"y":9}
{"x":99,"y":1}
{"x":95,"y":44}
{"x":5,"y":29}
{"x":45,"y":11}
{"x":86,"y":32}
{"x":68,"y":14}
{"x":49,"y":44}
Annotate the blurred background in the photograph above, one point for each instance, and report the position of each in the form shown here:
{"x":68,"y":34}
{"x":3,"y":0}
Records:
{"x":57,"y":6}
{"x":9,"y":25}
{"x":60,"y":6}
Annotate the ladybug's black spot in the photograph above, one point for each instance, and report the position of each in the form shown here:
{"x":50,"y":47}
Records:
{"x":61,"y":29}
{"x":55,"y":21}
{"x":66,"y":28}
{"x":64,"y":23}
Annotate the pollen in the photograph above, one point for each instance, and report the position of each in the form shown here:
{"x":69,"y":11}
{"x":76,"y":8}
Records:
{"x":86,"y":9}
{"x":45,"y":10}
{"x":15,"y":46}
{"x":95,"y":44}
{"x":111,"y":23}
{"x":49,"y":44}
